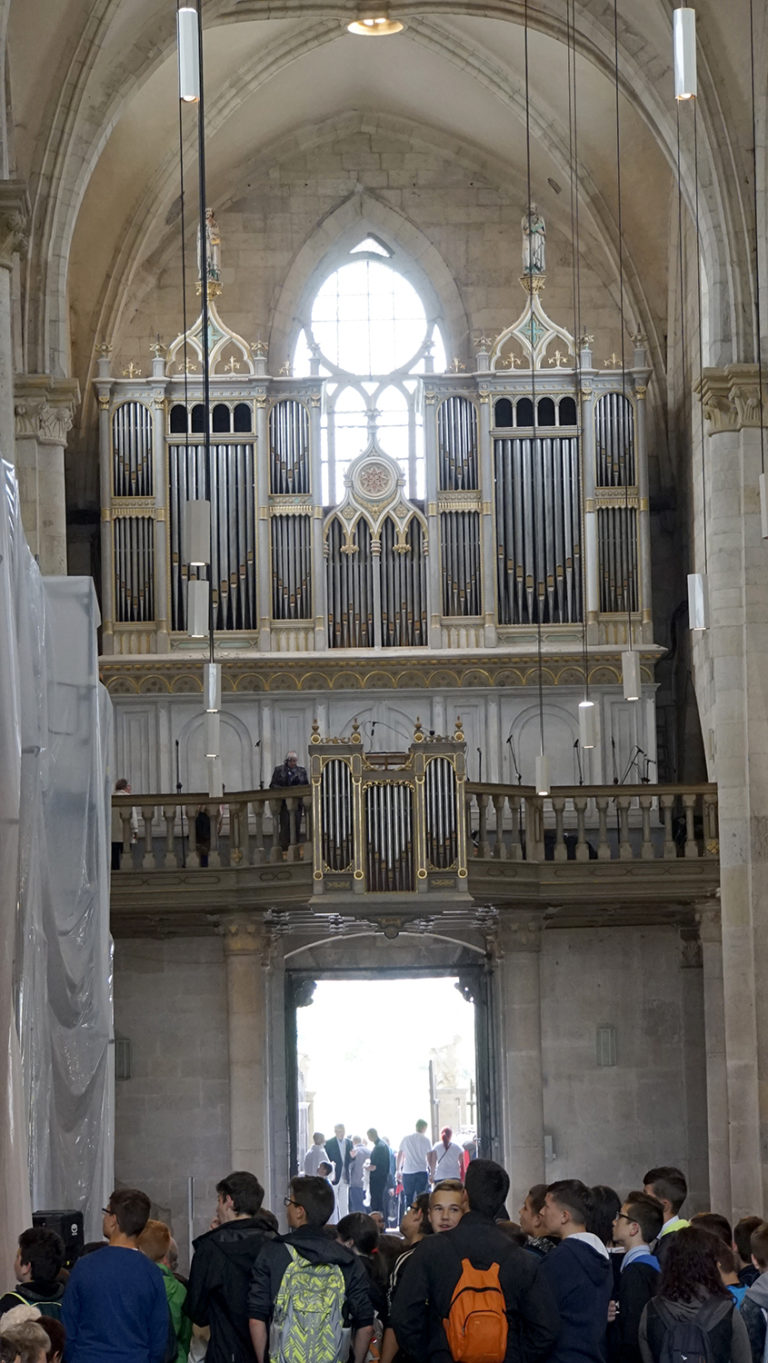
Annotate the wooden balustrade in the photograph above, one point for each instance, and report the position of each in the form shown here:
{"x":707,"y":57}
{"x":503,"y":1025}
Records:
{"x":249,"y":828}
{"x":504,"y":823}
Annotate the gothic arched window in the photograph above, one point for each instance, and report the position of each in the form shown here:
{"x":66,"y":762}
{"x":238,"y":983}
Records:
{"x":368,"y":323}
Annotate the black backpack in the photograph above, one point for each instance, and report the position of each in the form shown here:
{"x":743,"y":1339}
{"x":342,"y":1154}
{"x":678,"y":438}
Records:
{"x":703,"y":1338}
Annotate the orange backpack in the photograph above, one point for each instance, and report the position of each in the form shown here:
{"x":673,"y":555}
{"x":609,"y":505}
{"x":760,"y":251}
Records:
{"x":476,"y":1324}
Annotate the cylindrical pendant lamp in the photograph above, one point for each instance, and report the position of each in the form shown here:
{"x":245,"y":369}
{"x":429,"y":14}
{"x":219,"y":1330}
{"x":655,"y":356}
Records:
{"x":197,"y":533}
{"x":542,"y":775}
{"x":630,"y":674}
{"x":684,"y":31}
{"x":189,"y":54}
{"x":587,"y":724}
{"x":212,"y":686}
{"x":698,"y":601}
{"x":197,"y":608}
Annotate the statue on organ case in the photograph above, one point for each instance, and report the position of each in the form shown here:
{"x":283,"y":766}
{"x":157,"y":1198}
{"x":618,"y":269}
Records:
{"x":534,"y":241}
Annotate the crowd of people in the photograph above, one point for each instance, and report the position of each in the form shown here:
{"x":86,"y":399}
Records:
{"x":583,"y":1276}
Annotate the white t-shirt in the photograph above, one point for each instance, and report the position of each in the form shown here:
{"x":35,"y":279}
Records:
{"x":447,"y":1162}
{"x":414,"y":1150}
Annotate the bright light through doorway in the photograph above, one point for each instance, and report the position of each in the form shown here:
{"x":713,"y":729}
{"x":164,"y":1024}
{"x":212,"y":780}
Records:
{"x":364,"y":1049}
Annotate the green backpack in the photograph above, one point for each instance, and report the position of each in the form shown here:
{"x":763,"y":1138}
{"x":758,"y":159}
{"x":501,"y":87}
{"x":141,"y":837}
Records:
{"x":308,"y":1321}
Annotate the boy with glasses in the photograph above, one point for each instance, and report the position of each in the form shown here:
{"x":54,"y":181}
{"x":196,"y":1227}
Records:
{"x":634,"y":1229}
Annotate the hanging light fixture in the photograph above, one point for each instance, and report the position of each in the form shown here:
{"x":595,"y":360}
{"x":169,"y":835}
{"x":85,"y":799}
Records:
{"x":197,"y":533}
{"x":698,"y":601}
{"x":189,"y":54}
{"x":684,"y":32}
{"x":542,"y":774}
{"x":587,"y":724}
{"x":630,"y":674}
{"x":197,"y":608}
{"x":374,"y":23}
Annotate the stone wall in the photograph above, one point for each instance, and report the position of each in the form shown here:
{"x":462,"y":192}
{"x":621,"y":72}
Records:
{"x":172,"y":1115}
{"x":606,"y":1124}
{"x":610,"y":1124}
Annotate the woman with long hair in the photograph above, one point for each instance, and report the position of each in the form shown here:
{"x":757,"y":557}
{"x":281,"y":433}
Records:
{"x":692,"y":1303}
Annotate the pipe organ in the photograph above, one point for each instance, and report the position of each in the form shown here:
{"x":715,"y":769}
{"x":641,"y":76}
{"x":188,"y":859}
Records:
{"x":535,"y":513}
{"x":389,"y":823}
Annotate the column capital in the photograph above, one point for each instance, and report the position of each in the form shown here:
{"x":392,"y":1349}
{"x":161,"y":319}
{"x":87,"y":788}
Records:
{"x":245,"y":934}
{"x":691,"y":955}
{"x":708,"y":920}
{"x":44,"y":407}
{"x":731,"y":397}
{"x":14,"y":220}
{"x":518,"y":931}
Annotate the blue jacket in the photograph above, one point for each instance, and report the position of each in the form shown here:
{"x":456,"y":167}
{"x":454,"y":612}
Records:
{"x":114,"y":1309}
{"x":581,"y":1280}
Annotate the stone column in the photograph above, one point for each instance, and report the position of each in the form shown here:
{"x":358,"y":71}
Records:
{"x":247,"y":951}
{"x":14,"y":217}
{"x":730,"y":667}
{"x":693,"y":1097}
{"x":708,"y":917}
{"x":44,"y":408}
{"x":519,"y":1021}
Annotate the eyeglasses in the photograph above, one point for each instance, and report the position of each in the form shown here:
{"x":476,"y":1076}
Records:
{"x":290,"y":1202}
{"x":107,"y":1211}
{"x":622,"y":1216}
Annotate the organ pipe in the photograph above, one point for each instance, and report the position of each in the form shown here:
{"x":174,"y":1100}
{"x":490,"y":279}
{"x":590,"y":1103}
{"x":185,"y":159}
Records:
{"x":538,"y":525}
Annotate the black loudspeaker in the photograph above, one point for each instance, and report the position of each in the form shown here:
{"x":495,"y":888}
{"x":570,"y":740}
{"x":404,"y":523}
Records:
{"x":69,"y":1225}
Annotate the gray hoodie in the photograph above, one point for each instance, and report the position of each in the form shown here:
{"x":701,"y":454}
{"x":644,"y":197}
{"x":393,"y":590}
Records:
{"x":686,"y":1310}
{"x":753,"y":1309}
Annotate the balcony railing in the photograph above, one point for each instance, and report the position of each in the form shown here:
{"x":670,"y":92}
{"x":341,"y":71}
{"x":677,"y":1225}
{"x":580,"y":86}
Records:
{"x":502,"y":823}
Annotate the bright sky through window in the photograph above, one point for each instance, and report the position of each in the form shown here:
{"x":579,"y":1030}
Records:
{"x":368,"y":319}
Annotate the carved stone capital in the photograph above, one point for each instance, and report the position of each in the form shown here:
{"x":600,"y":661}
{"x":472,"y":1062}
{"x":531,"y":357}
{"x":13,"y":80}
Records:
{"x":691,"y":957}
{"x":44,"y":407}
{"x":709,"y":923}
{"x":731,"y":397}
{"x":518,"y":932}
{"x":244,"y":934}
{"x":14,"y":220}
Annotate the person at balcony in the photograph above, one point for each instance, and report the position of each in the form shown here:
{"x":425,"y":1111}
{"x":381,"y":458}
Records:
{"x":316,"y":1154}
{"x":217,"y":1293}
{"x":289,"y":773}
{"x":339,"y":1147}
{"x":122,"y":789}
{"x":445,"y":1158}
{"x":413,"y":1162}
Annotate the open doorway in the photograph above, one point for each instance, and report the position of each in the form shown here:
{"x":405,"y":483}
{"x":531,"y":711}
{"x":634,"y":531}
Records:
{"x":387,"y":1050}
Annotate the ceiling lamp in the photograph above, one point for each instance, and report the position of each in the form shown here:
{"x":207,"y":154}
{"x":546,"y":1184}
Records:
{"x":374,"y":23}
{"x":684,"y":31}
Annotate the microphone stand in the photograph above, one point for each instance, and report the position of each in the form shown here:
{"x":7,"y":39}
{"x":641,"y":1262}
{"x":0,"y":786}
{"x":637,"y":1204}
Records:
{"x":480,"y":765}
{"x":181,"y":807}
{"x":577,"y":749}
{"x":257,"y":746}
{"x":517,"y":770}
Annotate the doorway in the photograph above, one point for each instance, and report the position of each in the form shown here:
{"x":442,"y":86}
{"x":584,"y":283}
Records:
{"x":384,"y":1048}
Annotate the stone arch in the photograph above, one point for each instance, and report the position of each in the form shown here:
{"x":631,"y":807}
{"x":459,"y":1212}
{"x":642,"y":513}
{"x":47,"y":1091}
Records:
{"x":328,"y":247}
{"x":236,"y":749}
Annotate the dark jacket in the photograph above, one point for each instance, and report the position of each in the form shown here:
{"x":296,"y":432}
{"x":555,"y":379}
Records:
{"x":35,"y":1293}
{"x":423,"y":1296}
{"x":728,"y":1337}
{"x":217,"y":1294}
{"x":338,"y":1154}
{"x":637,"y":1284}
{"x":581,"y":1279}
{"x":311,"y":1243}
{"x":752,"y":1313}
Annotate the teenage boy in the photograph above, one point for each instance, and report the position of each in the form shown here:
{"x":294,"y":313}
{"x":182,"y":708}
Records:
{"x":755,"y":1305}
{"x":295,"y":1257}
{"x":531,"y":1222}
{"x":579,"y":1273}
{"x":423,"y":1301}
{"x":668,"y":1185}
{"x":39,"y":1260}
{"x":635,"y":1229}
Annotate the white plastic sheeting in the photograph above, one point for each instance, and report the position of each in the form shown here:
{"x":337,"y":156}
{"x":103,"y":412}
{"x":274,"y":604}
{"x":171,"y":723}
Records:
{"x":56,"y":872}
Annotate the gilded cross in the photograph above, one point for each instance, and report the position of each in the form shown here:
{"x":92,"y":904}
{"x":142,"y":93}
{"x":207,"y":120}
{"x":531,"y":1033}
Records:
{"x":614,"y":362}
{"x":188,"y":367}
{"x":456,"y":364}
{"x":233,"y":366}
{"x":132,"y":372}
{"x":558,"y":358}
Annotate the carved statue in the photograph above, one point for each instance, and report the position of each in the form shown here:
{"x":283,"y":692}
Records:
{"x":212,"y":249}
{"x":534,"y":241}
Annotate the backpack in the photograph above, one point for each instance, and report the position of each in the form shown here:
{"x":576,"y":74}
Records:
{"x":476,"y":1324}
{"x":46,"y":1308}
{"x":308,"y":1320}
{"x":695,"y":1340}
